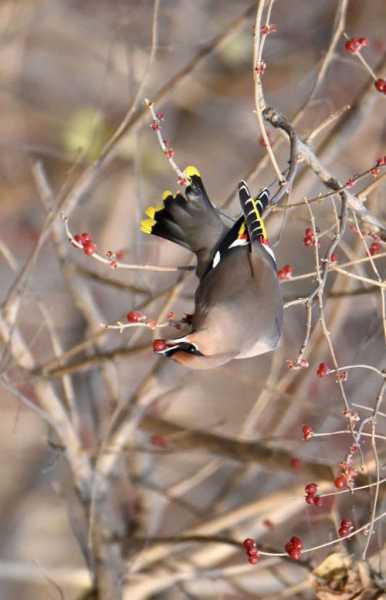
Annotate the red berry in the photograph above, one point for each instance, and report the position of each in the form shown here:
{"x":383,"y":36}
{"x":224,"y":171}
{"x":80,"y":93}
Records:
{"x":307,"y":432}
{"x":293,"y":551}
{"x":340,"y":482}
{"x":310,"y":499}
{"x":252,"y":552}
{"x":318,"y":501}
{"x":333,"y":258}
{"x":134,"y":316}
{"x":380,"y":85}
{"x":249,"y":543}
{"x":346,"y":524}
{"x":85,"y":238}
{"x":381,"y":162}
{"x":296,"y":542}
{"x":343,"y":532}
{"x":253,"y":559}
{"x":322,"y":370}
{"x":375,"y":248}
{"x":350,"y":46}
{"x":356,"y":44}
{"x":311,"y":488}
{"x":89,"y":248}
{"x":288,"y":547}
{"x":159,"y":345}
{"x":77,"y":238}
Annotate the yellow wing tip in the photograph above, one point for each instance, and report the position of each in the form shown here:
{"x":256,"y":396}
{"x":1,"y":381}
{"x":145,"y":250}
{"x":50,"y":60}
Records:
{"x":242,"y":230}
{"x":191,"y":170}
{"x":166,"y":194}
{"x":147,"y":225}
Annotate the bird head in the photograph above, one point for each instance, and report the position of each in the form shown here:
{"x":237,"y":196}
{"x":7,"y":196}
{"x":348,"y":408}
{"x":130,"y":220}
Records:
{"x":186,"y":351}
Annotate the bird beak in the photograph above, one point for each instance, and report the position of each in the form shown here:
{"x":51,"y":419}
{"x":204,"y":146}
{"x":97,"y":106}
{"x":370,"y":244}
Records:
{"x":170,"y":350}
{"x":179,"y":345}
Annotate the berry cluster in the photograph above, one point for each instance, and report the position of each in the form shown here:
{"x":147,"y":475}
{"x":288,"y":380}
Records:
{"x":322,"y":370}
{"x":135,"y":316}
{"x":251,"y":550}
{"x":356,"y":44}
{"x":345,"y":528}
{"x":311,"y":494}
{"x":300,"y":363}
{"x":285,"y":272}
{"x":308,"y":432}
{"x":86,"y":241}
{"x":309,"y":238}
{"x":294,"y":547}
{"x":347,"y":475}
{"x":380,"y":85}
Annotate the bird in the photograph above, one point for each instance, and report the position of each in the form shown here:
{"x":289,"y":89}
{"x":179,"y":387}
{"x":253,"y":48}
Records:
{"x":238,"y":303}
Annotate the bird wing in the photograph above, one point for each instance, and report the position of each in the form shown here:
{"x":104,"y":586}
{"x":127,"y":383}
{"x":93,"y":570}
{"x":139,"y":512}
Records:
{"x":238,"y":305}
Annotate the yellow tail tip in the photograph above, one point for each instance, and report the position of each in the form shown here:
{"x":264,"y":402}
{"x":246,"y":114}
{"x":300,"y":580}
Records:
{"x":166,"y":194}
{"x":151,"y":210}
{"x":147,"y":225}
{"x":190,"y":171}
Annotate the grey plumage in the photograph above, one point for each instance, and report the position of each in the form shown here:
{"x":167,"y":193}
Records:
{"x":238,"y":305}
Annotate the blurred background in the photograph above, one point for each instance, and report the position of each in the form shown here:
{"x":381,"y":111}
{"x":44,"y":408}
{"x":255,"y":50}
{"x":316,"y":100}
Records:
{"x":70,"y":71}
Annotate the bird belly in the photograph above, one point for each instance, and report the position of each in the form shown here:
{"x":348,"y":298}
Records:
{"x":260,"y":347}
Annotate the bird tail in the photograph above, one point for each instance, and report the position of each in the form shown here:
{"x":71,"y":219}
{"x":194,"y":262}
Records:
{"x":191,"y":221}
{"x":165,"y":219}
{"x":253,"y":209}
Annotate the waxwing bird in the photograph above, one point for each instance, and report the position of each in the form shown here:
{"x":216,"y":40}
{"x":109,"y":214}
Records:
{"x":238,"y":304}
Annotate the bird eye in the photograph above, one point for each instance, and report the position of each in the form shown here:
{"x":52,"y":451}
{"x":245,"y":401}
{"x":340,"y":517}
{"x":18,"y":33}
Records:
{"x":190,"y":348}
